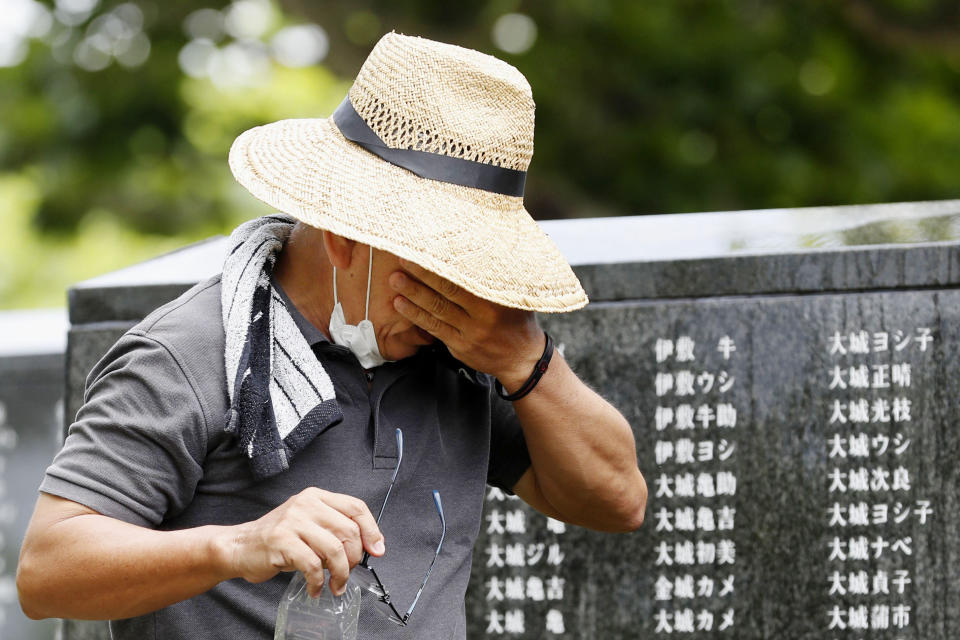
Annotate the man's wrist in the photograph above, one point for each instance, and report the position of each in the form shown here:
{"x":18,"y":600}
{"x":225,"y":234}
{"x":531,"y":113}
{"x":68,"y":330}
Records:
{"x":221,"y":543}
{"x":517,"y":370}
{"x":526,"y":372}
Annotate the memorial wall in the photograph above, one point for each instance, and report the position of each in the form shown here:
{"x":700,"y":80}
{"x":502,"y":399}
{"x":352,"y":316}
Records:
{"x":800,"y":459}
{"x":789,"y":378}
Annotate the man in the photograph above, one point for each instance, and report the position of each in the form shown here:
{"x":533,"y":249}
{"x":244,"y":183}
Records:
{"x":399,"y":295}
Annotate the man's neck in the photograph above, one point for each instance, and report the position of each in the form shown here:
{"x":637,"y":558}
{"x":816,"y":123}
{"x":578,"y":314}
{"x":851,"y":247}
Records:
{"x":306,"y":276}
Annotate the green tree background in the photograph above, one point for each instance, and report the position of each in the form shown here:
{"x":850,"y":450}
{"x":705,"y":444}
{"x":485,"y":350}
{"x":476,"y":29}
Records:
{"x":116,"y":117}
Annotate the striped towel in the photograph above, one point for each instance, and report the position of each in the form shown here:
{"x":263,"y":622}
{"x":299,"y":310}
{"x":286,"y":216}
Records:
{"x":280,"y":395}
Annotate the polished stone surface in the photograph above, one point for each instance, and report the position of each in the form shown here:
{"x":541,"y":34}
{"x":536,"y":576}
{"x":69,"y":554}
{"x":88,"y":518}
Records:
{"x":780,"y":454}
{"x":31,"y":396}
{"x":697,"y":236}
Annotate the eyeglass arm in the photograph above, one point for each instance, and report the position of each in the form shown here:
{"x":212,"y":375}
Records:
{"x":393,"y":480}
{"x":443,"y":533}
{"x":396,"y":470}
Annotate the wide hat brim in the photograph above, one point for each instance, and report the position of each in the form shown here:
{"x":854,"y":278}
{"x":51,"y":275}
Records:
{"x":485,"y":242}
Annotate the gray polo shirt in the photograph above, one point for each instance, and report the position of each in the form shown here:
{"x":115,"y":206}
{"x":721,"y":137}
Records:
{"x":149,"y":447}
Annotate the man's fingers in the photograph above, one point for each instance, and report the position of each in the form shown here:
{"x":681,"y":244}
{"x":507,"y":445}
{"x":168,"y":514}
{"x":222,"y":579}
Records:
{"x":357,"y":510}
{"x":444,"y":287}
{"x":304,"y":559}
{"x":313,"y":531}
{"x":426,"y":321}
{"x":425,"y":297}
{"x":329,"y":551}
{"x":344,"y":529}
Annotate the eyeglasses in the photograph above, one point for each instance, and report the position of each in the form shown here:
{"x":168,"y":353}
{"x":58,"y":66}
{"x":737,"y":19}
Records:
{"x":367,"y":576}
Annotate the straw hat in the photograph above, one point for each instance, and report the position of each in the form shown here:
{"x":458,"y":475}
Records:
{"x":440,"y":138}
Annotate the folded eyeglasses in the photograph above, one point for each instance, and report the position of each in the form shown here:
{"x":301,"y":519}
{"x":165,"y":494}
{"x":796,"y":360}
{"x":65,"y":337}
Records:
{"x":367,"y":577}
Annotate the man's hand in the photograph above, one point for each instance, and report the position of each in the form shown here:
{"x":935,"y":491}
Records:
{"x":582,"y":451}
{"x":109,"y":569}
{"x":313,"y":530}
{"x":504,"y":342}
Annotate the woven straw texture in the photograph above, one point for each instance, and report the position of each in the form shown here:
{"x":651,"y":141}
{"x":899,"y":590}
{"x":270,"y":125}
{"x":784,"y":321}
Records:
{"x":419,"y":94}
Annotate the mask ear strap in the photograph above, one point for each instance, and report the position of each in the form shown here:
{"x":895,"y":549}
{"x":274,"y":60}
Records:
{"x":335,"y":301}
{"x":366,"y":314}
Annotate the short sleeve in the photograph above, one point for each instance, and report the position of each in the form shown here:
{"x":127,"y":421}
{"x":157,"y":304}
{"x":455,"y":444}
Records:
{"x":136,"y":449}
{"x":509,"y":456}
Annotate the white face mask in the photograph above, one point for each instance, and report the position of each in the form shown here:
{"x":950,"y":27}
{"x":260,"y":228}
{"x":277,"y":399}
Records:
{"x":360,"y":339}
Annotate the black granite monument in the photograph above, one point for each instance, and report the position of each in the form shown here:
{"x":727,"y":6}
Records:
{"x":32,"y":345}
{"x":789,"y":378}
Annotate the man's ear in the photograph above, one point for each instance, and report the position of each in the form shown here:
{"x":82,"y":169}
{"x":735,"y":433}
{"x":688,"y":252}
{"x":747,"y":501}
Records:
{"x":339,"y":249}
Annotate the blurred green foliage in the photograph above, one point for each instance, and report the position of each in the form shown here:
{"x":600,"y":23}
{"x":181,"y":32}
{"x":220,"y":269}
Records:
{"x":642,"y":107}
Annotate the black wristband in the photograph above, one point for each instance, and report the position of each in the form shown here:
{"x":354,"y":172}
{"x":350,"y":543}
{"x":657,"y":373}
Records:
{"x":538,"y":370}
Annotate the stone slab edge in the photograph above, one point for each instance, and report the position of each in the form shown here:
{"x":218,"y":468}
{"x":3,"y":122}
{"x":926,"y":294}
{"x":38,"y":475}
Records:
{"x":126,"y":303}
{"x":866,"y":268}
{"x":823,"y":271}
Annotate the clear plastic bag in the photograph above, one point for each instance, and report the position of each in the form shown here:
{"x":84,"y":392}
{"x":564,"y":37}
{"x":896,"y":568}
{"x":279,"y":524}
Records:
{"x":326,"y":617}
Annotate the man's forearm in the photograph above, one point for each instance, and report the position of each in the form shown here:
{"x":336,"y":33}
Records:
{"x":582,"y":449}
{"x":90,"y":566}
{"x":77,"y":563}
{"x":583,"y":452}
